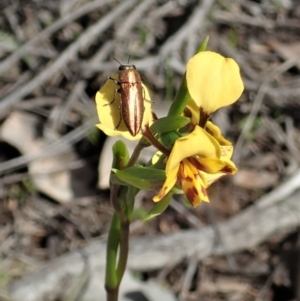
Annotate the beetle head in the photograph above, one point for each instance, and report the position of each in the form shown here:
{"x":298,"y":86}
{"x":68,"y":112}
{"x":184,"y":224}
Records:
{"x":126,"y":66}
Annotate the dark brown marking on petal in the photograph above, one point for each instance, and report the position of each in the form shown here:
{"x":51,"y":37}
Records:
{"x":196,"y":163}
{"x":227,"y":169}
{"x":181,"y":175}
{"x":190,"y":127}
{"x":188,"y":179}
{"x":203,"y":118}
{"x":187,"y":112}
{"x":180,"y":171}
{"x":197,"y":176}
{"x":191,"y":194}
{"x":208,"y":130}
{"x":203,"y":191}
{"x":162,"y":193}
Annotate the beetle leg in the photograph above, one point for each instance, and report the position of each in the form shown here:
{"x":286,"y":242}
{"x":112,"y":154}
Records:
{"x":120,"y":119}
{"x":108,"y":104}
{"x":145,"y":98}
{"x":114,"y":80}
{"x":116,"y":91}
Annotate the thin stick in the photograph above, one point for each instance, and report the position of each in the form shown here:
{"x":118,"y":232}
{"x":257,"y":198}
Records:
{"x":193,"y":24}
{"x":56,"y":147}
{"x":258,"y":102}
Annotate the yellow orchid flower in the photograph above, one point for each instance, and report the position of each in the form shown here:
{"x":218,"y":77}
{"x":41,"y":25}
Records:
{"x":192,"y":112}
{"x":110,"y":115}
{"x":193,"y":159}
{"x":213,"y":81}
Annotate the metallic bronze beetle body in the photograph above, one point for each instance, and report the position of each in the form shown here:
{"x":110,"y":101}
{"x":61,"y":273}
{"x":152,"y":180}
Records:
{"x":132,"y":98}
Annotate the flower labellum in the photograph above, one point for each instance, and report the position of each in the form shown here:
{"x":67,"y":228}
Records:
{"x":195,"y":162}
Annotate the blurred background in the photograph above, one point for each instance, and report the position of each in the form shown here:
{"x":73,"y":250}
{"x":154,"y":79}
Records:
{"x":54,"y":163}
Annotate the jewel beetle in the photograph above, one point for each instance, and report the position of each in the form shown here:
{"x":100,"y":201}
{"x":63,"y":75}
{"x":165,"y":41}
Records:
{"x":132,"y":97}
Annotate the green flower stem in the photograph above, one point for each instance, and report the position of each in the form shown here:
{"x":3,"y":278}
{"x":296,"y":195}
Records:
{"x":117,"y":247}
{"x":114,"y":190}
{"x":124,"y":249}
{"x":111,"y":280}
{"x":136,"y":153}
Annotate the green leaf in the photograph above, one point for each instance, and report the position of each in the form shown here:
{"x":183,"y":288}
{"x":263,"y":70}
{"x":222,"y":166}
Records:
{"x":181,"y":99}
{"x":115,"y":180}
{"x":130,"y":200}
{"x":203,"y":45}
{"x":168,"y":139}
{"x":139,"y":213}
{"x":120,"y":155}
{"x":159,"y":207}
{"x":145,"y":178}
{"x":168,"y":124}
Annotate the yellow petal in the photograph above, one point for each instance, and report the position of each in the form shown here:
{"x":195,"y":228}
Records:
{"x":226,"y":146}
{"x":211,"y":178}
{"x":109,"y":113}
{"x":156,"y":157}
{"x":213,"y":81}
{"x":226,"y":152}
{"x":228,"y":169}
{"x":112,"y":133}
{"x":168,"y":185}
{"x":192,"y":111}
{"x":214,"y":165}
{"x":215,"y":131}
{"x":198,"y":143}
{"x":192,"y":184}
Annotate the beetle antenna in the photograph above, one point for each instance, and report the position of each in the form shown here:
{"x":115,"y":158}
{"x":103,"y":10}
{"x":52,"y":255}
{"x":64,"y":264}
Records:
{"x":117,"y":61}
{"x":129,"y":60}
